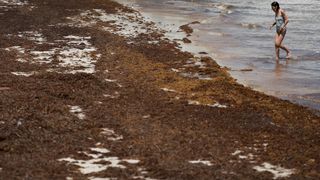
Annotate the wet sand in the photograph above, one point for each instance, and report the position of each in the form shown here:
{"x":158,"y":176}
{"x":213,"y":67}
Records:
{"x":90,"y":90}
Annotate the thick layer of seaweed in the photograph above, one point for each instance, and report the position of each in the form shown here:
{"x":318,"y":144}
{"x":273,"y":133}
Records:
{"x":160,"y":128}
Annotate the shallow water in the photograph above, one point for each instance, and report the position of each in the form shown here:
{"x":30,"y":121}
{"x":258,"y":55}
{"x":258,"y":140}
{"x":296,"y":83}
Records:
{"x":236,"y":34}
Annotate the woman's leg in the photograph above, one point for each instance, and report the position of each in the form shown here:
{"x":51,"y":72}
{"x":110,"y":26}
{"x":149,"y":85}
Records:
{"x":287,"y":50}
{"x":277,"y":44}
{"x":281,"y":38}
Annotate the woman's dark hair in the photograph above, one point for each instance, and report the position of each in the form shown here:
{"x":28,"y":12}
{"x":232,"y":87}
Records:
{"x":275,"y":4}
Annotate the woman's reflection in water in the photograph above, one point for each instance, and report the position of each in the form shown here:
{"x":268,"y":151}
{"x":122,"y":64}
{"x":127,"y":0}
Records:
{"x":280,"y":66}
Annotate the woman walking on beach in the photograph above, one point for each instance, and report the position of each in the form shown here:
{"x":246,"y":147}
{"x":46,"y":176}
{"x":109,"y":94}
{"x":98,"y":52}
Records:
{"x":281,"y":21}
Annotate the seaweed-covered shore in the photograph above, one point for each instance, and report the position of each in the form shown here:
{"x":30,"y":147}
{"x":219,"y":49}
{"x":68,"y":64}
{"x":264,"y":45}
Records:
{"x":89,"y":90}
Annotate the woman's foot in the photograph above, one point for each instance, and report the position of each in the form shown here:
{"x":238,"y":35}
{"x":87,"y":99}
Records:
{"x":288,"y":55}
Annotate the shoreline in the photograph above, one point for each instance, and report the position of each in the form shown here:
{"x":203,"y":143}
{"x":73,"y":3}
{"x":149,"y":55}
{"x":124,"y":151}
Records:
{"x":98,"y":92}
{"x":259,"y":72}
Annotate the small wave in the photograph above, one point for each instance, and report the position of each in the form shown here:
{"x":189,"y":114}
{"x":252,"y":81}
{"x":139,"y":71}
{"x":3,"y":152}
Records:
{"x":207,"y":21}
{"x":251,"y":26}
{"x":225,"y":8}
{"x":216,"y":34}
{"x":308,"y":98}
{"x":311,"y":57}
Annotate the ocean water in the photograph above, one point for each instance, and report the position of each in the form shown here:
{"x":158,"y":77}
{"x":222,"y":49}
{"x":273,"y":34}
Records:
{"x":236,"y":34}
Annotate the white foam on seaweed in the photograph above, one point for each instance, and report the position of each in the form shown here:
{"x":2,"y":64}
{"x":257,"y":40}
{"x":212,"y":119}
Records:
{"x":236,"y":152}
{"x":26,"y":74}
{"x":93,"y":166}
{"x":19,"y":49}
{"x":168,"y":90}
{"x":110,"y":96}
{"x":195,"y":62}
{"x":191,"y":102}
{"x":265,"y":146}
{"x":175,"y":70}
{"x":14,"y":2}
{"x":104,"y":178}
{"x":107,"y":131}
{"x":131,"y":161}
{"x":77,"y":37}
{"x":111,"y":80}
{"x":76,"y":110}
{"x":216,"y":105}
{"x":143,"y":174}
{"x":117,"y":138}
{"x":76,"y":56}
{"x":73,"y":57}
{"x":34,"y":36}
{"x":110,"y":132}
{"x":114,"y":81}
{"x":277,"y":171}
{"x":207,"y":163}
{"x":153,"y":42}
{"x":97,"y":163}
{"x":123,"y":24}
{"x":196,"y":75}
{"x":119,"y":85}
{"x":142,"y":177}
{"x":100,"y":150}
{"x":126,"y":23}
{"x":43,"y":56}
{"x":249,"y":156}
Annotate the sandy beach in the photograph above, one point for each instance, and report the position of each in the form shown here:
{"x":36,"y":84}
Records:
{"x":92,"y":90}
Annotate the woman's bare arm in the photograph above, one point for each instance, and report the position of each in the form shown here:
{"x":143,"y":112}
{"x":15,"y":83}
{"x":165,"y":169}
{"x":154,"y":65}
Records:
{"x":274,"y":23}
{"x":286,"y":19}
